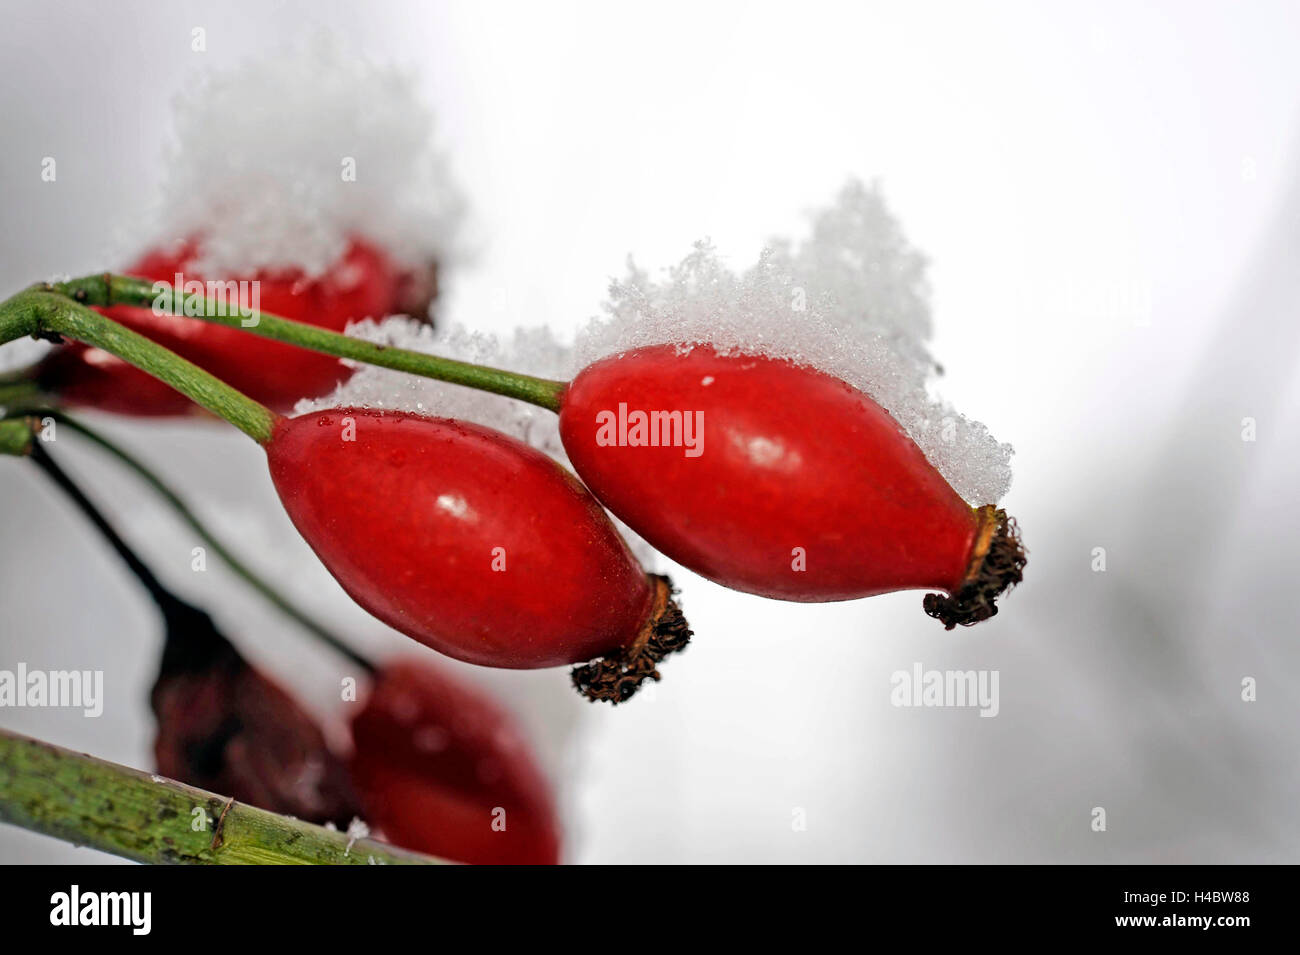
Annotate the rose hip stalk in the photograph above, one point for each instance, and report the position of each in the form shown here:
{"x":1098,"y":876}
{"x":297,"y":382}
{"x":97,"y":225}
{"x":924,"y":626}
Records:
{"x":442,"y":769}
{"x":364,"y":283}
{"x":474,"y":544}
{"x":780,"y":480}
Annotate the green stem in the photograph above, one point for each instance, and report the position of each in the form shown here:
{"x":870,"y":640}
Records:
{"x":18,"y":392}
{"x":250,"y":576}
{"x":43,"y":313}
{"x":15,"y":437}
{"x":90,"y":802}
{"x":105,"y":290}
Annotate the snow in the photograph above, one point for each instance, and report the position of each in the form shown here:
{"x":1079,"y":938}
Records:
{"x":851,"y":299}
{"x":535,"y":351}
{"x":263,"y":149}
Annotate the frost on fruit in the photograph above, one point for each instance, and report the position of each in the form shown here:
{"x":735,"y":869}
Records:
{"x":532,"y":351}
{"x":292,"y":154}
{"x":851,"y":299}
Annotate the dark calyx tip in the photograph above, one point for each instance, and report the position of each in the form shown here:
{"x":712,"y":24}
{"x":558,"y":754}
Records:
{"x":618,"y":676}
{"x":997,"y":570}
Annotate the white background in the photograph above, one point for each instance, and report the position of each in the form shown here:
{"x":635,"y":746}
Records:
{"x":1063,"y":165}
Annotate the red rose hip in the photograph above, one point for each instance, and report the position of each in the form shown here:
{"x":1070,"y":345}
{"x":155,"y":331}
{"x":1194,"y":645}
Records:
{"x":82,"y":376}
{"x":780,"y":480}
{"x":474,"y":544}
{"x":363,"y":283}
{"x":442,"y":769}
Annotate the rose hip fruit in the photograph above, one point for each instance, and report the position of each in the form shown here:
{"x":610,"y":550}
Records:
{"x":86,"y":377}
{"x":780,"y":480}
{"x":224,"y":726}
{"x":474,"y":544}
{"x":364,"y":283}
{"x":442,"y":769}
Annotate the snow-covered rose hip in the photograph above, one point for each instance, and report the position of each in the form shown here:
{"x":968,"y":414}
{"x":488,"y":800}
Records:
{"x":780,"y":480}
{"x":442,"y":769}
{"x":474,"y":544}
{"x":363,"y":283}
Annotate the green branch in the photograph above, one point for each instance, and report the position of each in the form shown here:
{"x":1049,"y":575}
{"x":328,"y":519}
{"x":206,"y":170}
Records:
{"x":90,"y":802}
{"x":122,"y":290}
{"x":105,"y":290}
{"x":17,"y":392}
{"x":15,"y":437}
{"x":42,"y":314}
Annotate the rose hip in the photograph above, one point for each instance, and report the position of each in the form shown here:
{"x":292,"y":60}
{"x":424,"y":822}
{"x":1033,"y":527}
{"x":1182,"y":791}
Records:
{"x":442,"y":769}
{"x":474,"y":544}
{"x":364,"y":283}
{"x":224,"y":726}
{"x":796,"y":486}
{"x":82,"y":376}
